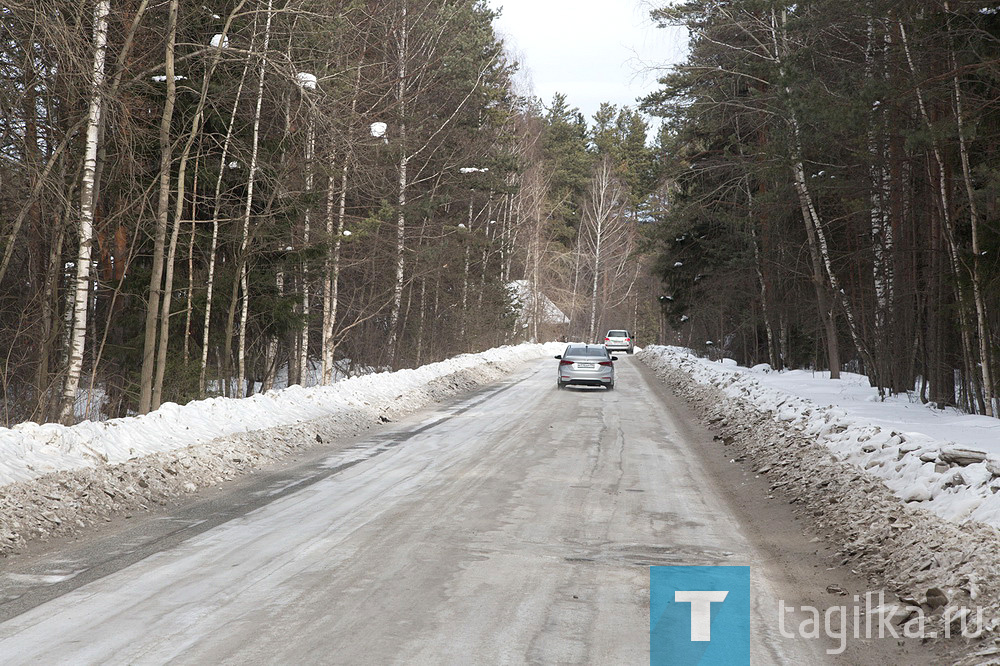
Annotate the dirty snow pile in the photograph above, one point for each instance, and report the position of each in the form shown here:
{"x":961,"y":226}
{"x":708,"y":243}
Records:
{"x":846,"y":476}
{"x":947,"y":461}
{"x":57,"y":479}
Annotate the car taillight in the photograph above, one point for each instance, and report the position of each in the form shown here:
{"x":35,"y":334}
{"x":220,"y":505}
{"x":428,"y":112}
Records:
{"x":607,"y":363}
{"x":565,"y":362}
{"x":628,"y":339}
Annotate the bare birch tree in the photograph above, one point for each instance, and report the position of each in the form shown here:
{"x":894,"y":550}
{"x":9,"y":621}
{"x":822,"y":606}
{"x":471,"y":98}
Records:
{"x":604,"y":232}
{"x":244,"y":259}
{"x":81,"y":301}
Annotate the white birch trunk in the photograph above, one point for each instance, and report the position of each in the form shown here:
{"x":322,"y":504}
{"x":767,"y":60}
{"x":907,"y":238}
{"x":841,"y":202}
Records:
{"x":592,"y":330}
{"x":490,"y":228}
{"x":812,"y":219}
{"x":78,"y":334}
{"x":397,"y":290}
{"x":603,"y":222}
{"x":189,"y":304}
{"x":210,"y":288}
{"x":241,"y":371}
{"x":420,"y":326}
{"x":331,"y":282}
{"x":575,"y":298}
{"x":881,"y":228}
{"x":769,"y":329}
{"x":306,"y":230}
{"x":272,"y":344}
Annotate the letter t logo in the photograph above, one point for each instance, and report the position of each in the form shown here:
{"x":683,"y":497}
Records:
{"x":701,"y":610}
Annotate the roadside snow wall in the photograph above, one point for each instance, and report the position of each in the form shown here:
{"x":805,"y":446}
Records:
{"x":892,"y":503}
{"x":55,"y":480}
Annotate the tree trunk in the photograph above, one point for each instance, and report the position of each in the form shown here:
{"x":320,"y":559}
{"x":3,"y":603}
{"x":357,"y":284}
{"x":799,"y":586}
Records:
{"x":306,"y":231}
{"x":592,"y":329}
{"x":331,"y":281}
{"x":81,"y":300}
{"x":164,"y":343}
{"x":146,"y":376}
{"x":49,"y":333}
{"x":245,"y":235}
{"x":397,"y":290}
{"x":465,"y":273}
{"x":944,"y":201}
{"x":822,"y":302}
{"x":765,"y":304}
{"x":189,"y":301}
{"x":217,"y":202}
{"x":271,"y":357}
{"x":331,"y":292}
{"x":420,"y":325}
{"x":985,"y":356}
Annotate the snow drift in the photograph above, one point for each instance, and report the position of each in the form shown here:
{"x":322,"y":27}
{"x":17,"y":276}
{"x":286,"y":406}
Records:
{"x":877,"y":495}
{"x":29,"y":450}
{"x":944,"y":460}
{"x":57,"y":480}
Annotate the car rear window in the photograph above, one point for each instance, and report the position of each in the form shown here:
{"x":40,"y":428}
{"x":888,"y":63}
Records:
{"x":593,"y":350}
{"x":617,"y":334}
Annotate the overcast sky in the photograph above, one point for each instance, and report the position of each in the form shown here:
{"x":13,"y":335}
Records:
{"x":592,"y":50}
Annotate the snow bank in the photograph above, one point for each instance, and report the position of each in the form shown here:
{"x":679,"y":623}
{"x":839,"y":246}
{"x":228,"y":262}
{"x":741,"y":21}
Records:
{"x":844,"y":478}
{"x":92,"y":473}
{"x":943,"y":460}
{"x":30,"y":450}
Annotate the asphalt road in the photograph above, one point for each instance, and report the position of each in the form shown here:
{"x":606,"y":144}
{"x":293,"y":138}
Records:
{"x":513,"y":526}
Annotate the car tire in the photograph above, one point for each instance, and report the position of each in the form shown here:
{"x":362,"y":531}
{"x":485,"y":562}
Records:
{"x":560,"y":385}
{"x":611,"y":386}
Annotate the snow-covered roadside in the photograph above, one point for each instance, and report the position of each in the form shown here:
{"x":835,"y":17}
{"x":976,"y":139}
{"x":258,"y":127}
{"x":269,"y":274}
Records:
{"x":842,"y":474}
{"x":945,"y":461}
{"x":57,"y":479}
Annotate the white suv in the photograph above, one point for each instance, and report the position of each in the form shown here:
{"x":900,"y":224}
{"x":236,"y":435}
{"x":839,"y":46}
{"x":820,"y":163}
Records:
{"x":619,"y":340}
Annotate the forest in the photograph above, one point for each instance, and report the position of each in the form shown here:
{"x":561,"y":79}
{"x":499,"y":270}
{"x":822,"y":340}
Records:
{"x":831,"y":197}
{"x":217,"y":200}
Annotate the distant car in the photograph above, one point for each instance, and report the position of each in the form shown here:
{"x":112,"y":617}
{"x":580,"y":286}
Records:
{"x":619,"y":340}
{"x":586,"y":365}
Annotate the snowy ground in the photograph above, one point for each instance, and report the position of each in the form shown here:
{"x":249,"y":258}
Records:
{"x":915,"y":513}
{"x":944,"y":460}
{"x":57,"y":479}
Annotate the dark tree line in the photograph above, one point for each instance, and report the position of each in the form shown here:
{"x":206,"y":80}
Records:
{"x":833,"y":196}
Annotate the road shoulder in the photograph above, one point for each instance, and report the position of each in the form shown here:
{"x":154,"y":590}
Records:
{"x":802,"y":564}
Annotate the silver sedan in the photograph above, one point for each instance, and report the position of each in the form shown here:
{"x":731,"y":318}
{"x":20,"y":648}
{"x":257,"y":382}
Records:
{"x":586,"y":365}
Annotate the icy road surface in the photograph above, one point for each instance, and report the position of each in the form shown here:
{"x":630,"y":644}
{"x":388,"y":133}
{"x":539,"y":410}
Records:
{"x":516,"y":525}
